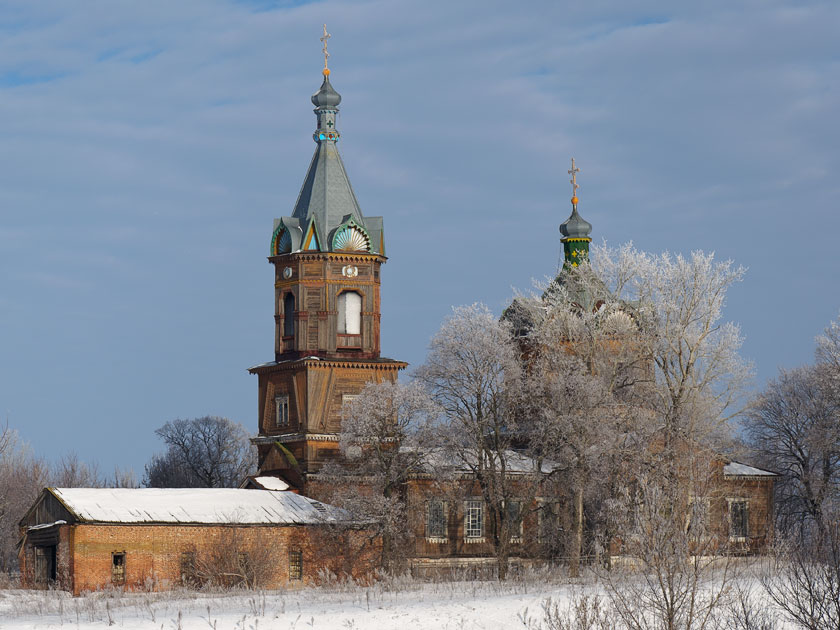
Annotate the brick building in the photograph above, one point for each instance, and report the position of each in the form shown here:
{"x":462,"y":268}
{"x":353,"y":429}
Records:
{"x":84,"y":539}
{"x":327,"y":259}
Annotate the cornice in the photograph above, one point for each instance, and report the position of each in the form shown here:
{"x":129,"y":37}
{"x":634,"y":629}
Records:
{"x":295,"y":437}
{"x":314,"y":362}
{"x":339,"y":256}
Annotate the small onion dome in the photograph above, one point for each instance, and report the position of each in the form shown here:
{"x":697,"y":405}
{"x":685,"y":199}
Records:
{"x":576,"y":226}
{"x":326,"y":97}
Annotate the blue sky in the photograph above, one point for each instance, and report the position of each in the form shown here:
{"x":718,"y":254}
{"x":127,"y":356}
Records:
{"x":147,"y":147}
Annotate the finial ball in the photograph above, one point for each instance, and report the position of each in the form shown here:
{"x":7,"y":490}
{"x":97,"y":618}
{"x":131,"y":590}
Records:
{"x":574,"y":201}
{"x":326,"y":72}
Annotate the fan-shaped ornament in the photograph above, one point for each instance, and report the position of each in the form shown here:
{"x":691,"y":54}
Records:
{"x":351,"y":239}
{"x":282,"y":242}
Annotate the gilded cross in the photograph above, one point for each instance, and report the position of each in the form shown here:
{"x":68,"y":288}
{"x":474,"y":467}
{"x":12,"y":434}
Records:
{"x":324,"y":39}
{"x":573,"y":172}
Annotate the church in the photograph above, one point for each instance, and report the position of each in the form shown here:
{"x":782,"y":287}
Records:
{"x":327,"y":259}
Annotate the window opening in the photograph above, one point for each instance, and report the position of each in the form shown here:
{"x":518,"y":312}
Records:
{"x":295,"y":565}
{"x":474,"y":521}
{"x":436,"y":521}
{"x":289,"y":315}
{"x":350,"y":313}
{"x":281,"y":410}
{"x":513,"y":514}
{"x":118,"y":568}
{"x":738,"y":519}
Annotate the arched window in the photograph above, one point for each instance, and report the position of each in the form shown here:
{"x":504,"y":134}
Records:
{"x":350,"y":313}
{"x":289,"y":315}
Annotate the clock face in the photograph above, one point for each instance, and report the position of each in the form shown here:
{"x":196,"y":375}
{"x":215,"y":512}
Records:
{"x":287,"y":273}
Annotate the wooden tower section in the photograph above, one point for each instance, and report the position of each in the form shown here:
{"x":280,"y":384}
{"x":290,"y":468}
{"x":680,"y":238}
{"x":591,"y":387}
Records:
{"x":327,"y":258}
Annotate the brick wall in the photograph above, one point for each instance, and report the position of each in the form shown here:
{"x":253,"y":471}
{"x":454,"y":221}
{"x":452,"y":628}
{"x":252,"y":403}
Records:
{"x":153,"y":553}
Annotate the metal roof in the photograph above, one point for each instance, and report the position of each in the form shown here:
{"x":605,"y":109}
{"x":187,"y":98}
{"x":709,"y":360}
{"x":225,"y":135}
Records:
{"x":212,"y":506}
{"x":737,"y":469}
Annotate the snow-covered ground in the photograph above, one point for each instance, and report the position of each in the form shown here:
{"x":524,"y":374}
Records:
{"x":436,"y":606}
{"x":396,"y":604}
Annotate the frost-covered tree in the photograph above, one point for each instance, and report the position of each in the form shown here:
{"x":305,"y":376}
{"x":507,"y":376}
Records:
{"x":474,"y":373}
{"x":583,"y":360}
{"x":386,"y":436}
{"x":698,"y":373}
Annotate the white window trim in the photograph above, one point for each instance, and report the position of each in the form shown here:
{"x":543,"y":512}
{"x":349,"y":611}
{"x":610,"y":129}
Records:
{"x":480,"y":507}
{"x":729,"y":502}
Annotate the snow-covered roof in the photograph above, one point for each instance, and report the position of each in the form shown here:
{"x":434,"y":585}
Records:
{"x":196,"y":505}
{"x":737,"y":469}
{"x":270,"y":483}
{"x":516,"y":462}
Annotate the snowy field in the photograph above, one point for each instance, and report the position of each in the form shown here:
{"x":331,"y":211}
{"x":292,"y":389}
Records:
{"x":398,"y":605}
{"x":455,"y":605}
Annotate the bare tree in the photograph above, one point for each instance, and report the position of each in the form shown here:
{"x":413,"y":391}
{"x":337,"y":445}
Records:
{"x":22,"y":476}
{"x":806,"y":583}
{"x":793,"y":427}
{"x":474,"y":373}
{"x":209,"y":452}
{"x":386,"y":435}
{"x":674,"y":576}
{"x":72,"y":472}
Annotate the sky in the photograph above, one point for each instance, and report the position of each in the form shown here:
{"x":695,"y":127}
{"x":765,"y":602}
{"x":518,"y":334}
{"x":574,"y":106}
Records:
{"x":147,"y":146}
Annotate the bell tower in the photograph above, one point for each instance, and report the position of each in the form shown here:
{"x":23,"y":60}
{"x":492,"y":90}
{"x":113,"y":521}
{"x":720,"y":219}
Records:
{"x":327,"y":258}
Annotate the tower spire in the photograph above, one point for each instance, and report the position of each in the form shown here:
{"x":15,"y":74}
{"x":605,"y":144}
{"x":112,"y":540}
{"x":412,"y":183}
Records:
{"x":575,"y":229}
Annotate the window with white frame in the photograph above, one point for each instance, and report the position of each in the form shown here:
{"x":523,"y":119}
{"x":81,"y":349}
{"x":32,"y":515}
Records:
{"x":436,"y":521}
{"x":473,"y":521}
{"x":281,"y":410}
{"x":739,"y":518}
{"x":350,"y":313}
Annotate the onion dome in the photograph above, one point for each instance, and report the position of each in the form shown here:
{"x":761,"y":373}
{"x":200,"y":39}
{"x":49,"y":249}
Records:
{"x":326,"y":97}
{"x":575,"y":229}
{"x":576,"y":226}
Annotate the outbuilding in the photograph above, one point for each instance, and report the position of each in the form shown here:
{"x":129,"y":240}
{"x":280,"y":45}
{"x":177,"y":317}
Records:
{"x":85,"y":539}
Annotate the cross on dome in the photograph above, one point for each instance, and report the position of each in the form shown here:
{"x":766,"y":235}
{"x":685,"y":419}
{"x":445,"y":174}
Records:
{"x":324,"y":39}
{"x":573,"y":172}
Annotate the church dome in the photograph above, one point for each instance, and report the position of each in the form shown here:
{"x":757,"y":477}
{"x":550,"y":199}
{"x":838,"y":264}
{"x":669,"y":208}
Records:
{"x":576,"y":226}
{"x":326,"y":97}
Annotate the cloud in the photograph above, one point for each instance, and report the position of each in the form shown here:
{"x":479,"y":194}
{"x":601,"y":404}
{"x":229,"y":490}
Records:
{"x":146,"y":152}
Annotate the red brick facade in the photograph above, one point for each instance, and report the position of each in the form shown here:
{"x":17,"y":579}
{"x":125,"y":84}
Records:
{"x":155,"y":554}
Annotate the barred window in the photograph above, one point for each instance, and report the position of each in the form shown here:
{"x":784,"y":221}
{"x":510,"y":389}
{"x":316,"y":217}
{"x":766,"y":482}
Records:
{"x":118,"y":567}
{"x":473,"y":521}
{"x":295,"y":565}
{"x":436,"y":521}
{"x":739,"y":516}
